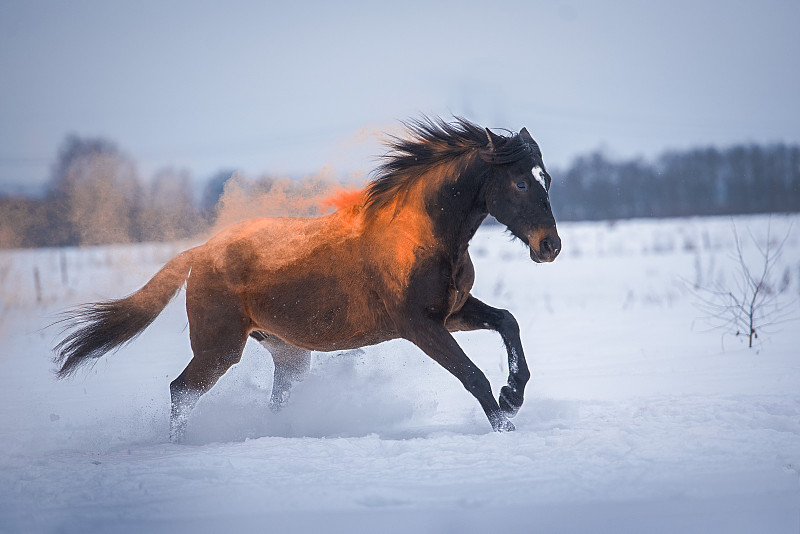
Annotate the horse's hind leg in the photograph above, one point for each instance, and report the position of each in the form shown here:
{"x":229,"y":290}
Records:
{"x":218,"y":332}
{"x":205,"y":369}
{"x":291,"y":366}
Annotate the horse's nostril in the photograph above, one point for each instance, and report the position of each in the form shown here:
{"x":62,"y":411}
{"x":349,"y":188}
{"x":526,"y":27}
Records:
{"x":549,"y":247}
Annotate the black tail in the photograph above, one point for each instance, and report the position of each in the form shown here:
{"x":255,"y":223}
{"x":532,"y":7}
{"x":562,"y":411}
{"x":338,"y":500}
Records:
{"x":104,"y":326}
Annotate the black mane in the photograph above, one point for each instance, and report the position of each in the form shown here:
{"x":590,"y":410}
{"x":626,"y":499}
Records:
{"x":434,"y":142}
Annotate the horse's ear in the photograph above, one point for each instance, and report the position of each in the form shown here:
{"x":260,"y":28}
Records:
{"x":523,"y":133}
{"x":493,"y":139}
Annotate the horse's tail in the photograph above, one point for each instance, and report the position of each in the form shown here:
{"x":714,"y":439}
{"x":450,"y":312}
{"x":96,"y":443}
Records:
{"x":104,"y":326}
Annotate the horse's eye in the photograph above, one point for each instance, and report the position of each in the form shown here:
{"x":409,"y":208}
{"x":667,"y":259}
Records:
{"x":522,"y":186}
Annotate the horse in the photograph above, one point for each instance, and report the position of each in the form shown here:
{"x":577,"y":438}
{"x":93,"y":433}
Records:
{"x":392,"y":262}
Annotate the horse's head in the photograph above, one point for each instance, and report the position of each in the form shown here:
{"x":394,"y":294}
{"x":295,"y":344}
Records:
{"x":517,"y":192}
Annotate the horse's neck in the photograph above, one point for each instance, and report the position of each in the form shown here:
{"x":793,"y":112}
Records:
{"x":457,"y":208}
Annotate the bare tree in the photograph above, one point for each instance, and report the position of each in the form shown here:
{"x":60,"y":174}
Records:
{"x":168,"y":210}
{"x":752,"y":301}
{"x":96,"y":192}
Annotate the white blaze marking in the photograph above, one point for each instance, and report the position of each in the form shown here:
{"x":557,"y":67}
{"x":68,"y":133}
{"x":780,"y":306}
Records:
{"x":538,"y":176}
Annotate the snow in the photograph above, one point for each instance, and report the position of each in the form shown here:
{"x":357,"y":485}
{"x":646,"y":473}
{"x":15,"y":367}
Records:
{"x":639,"y":416}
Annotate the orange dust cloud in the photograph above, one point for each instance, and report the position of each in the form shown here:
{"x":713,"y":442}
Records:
{"x":343,"y":198}
{"x":311,"y":196}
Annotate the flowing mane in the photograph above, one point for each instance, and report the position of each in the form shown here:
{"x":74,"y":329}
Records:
{"x":432,"y":143}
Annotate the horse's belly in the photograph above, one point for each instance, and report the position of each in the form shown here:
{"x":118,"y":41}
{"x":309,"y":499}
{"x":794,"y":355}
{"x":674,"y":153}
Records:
{"x":321,"y":312}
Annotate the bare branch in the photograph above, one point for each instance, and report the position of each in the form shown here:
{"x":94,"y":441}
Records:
{"x":752,"y":302}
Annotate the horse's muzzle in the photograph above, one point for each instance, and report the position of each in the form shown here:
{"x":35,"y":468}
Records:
{"x":544,"y":245}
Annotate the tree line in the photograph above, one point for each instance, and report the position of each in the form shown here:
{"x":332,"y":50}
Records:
{"x":95,"y":194}
{"x":709,"y":181}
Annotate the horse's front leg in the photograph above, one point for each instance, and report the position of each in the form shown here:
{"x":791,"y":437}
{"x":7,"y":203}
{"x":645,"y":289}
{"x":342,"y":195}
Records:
{"x":475,"y":315}
{"x":439,"y":344}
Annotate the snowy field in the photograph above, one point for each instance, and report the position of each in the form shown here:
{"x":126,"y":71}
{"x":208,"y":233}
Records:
{"x":639,"y":417}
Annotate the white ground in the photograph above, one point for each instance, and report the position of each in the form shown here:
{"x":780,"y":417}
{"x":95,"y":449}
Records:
{"x":638,"y":417}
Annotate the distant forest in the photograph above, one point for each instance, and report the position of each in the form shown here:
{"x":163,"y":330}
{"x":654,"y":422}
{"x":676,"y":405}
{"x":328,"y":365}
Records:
{"x":737,"y":180}
{"x":96,"y":196}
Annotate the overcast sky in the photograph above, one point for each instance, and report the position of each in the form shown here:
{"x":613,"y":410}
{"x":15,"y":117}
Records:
{"x":292,"y":87}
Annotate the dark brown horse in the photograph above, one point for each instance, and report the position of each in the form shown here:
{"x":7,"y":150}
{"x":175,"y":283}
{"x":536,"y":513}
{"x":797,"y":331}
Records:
{"x":392,"y":263}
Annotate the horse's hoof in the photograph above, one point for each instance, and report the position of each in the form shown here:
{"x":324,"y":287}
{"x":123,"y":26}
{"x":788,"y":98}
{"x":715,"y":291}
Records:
{"x":505,"y":426}
{"x":500,"y":423}
{"x":278,"y":401}
{"x":176,"y":436}
{"x":510,"y":401}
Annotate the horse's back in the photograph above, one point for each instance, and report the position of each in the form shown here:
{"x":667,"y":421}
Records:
{"x":273,"y":244}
